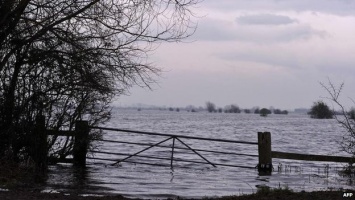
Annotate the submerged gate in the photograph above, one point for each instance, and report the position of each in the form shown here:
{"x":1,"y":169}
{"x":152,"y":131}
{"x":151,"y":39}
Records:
{"x":81,"y":138}
{"x":81,"y":141}
{"x":173,"y":139}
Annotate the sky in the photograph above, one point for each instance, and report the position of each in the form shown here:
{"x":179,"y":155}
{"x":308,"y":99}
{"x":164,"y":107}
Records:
{"x":257,"y":53}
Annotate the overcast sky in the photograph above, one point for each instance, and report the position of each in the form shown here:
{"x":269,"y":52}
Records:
{"x":257,"y":53}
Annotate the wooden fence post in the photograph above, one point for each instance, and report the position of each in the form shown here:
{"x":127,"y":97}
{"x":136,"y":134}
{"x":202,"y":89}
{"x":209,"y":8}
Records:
{"x":81,"y":142}
{"x":264,"y":149}
{"x":40,"y":151}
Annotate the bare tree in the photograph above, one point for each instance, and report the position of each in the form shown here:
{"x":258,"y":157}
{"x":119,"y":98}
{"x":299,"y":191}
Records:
{"x":348,"y":123}
{"x":67,"y":59}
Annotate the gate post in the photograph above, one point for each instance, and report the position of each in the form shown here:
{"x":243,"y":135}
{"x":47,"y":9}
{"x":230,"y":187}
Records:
{"x":264,"y":149}
{"x":39,"y":147}
{"x":81,"y":142}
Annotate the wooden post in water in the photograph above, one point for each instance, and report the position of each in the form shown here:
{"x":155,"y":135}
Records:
{"x":81,"y":142}
{"x":39,"y":147}
{"x":264,"y":149}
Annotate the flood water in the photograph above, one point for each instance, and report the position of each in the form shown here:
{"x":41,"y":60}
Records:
{"x":295,"y":133}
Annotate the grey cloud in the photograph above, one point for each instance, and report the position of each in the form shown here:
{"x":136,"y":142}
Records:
{"x":271,"y":57}
{"x":337,"y":66}
{"x":219,"y":30}
{"x":329,"y":62}
{"x":270,"y":35}
{"x":214,"y":30}
{"x":338,"y":7}
{"x":265,"y":19}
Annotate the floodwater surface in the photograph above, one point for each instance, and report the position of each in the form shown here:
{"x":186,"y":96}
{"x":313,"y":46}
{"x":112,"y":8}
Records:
{"x":294,"y":133}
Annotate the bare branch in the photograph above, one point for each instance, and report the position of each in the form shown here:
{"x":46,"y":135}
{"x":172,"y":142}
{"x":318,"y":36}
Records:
{"x":348,"y":143}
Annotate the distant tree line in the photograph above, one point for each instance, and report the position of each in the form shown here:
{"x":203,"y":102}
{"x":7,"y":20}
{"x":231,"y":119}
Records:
{"x":278,"y":111}
{"x":319,"y":110}
{"x":233,"y":108}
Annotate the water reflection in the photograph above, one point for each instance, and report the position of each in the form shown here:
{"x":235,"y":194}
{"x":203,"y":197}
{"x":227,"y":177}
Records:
{"x":80,"y":176}
{"x":70,"y":179}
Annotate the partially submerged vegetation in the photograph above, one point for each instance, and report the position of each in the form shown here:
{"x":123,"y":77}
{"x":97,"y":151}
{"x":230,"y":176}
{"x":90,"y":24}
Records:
{"x":351,"y":114}
{"x":320,"y":110}
{"x":264,"y":112}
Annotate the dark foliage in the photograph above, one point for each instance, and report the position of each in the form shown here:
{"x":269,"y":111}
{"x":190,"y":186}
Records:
{"x":351,"y":114}
{"x":264,"y":112}
{"x":320,"y":110}
{"x":278,"y":111}
{"x":211,"y":107}
{"x":232,"y":109}
{"x":257,"y":111}
{"x":247,"y":111}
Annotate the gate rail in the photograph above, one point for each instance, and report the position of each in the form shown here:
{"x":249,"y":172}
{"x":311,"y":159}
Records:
{"x":173,"y":147}
{"x":166,"y":146}
{"x":171,"y":135}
